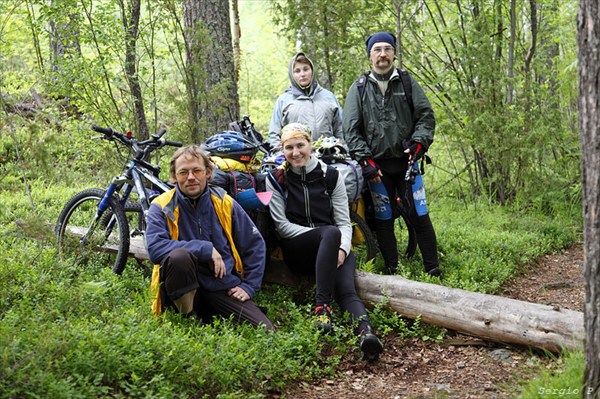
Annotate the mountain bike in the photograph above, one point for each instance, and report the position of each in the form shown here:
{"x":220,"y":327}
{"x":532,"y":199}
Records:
{"x":105,"y":220}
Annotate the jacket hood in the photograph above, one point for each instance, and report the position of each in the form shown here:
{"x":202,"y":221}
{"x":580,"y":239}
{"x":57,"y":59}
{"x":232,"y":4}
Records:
{"x":295,"y":88}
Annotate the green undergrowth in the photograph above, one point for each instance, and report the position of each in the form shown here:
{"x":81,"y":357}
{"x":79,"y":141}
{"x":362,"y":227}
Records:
{"x":69,"y":330}
{"x":481,"y":246}
{"x":562,"y":381}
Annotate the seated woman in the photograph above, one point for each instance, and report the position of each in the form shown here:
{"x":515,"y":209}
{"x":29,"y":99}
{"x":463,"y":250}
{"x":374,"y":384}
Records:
{"x":315,"y":231}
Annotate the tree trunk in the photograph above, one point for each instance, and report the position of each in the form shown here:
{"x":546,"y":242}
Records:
{"x":528,"y":61}
{"x":194,"y":45}
{"x":131,"y":26}
{"x":486,"y":316}
{"x":64,"y":45}
{"x":490,"y":317}
{"x":64,"y":39}
{"x":237,"y":35}
{"x":511,"y":51}
{"x":588,"y":37}
{"x":219,"y":103}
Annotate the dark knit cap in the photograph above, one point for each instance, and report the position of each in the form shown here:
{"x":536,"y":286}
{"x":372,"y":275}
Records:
{"x":385,"y":37}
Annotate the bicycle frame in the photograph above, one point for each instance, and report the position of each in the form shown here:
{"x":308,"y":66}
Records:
{"x":135,"y":173}
{"x":137,"y":170}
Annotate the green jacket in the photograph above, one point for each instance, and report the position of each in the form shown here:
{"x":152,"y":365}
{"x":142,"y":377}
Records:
{"x":375,"y":126}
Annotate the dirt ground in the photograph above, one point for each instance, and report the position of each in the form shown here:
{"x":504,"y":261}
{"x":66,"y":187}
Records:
{"x":461,"y":366}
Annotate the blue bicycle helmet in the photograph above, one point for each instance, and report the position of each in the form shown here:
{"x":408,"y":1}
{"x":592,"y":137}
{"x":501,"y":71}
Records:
{"x":231,"y":145}
{"x":272,"y":161}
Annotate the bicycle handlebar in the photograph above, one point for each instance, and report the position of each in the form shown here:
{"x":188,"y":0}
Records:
{"x":153,"y":143}
{"x":173,"y":143}
{"x":107,"y":131}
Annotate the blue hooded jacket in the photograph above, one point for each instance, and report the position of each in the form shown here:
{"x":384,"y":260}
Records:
{"x":199,"y":230}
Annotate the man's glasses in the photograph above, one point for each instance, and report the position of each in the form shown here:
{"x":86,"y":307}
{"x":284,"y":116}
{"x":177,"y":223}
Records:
{"x":184,"y":173}
{"x":387,"y":49}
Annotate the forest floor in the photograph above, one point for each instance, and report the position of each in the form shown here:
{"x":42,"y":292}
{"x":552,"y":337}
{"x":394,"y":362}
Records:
{"x":460,"y":366}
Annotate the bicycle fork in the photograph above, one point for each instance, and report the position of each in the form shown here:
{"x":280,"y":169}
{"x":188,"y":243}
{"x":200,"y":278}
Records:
{"x":102,"y":207}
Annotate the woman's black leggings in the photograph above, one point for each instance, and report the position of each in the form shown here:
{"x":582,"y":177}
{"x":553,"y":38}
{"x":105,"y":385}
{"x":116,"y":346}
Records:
{"x":316,"y":251}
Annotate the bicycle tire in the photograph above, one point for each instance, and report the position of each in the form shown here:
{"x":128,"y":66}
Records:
{"x":364,"y":242}
{"x":135,"y":218}
{"x":79,"y":214}
{"x":135,"y":214}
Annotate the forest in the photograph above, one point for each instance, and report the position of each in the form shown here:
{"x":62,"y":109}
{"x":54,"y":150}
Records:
{"x":504,"y":188}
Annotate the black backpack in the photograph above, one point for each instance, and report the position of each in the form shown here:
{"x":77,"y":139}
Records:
{"x":404,"y":77}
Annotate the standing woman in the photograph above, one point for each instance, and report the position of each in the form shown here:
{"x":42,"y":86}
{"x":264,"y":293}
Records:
{"x":306,"y":102}
{"x":315,"y":231}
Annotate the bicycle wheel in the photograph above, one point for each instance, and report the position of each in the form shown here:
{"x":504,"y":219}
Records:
{"x":80,"y":232}
{"x":364,"y":243}
{"x":135,"y":218}
{"x":136,"y":222}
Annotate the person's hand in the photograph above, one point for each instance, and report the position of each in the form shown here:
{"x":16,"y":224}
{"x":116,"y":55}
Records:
{"x":414,"y":150}
{"x":370,"y":171}
{"x":217,"y":265}
{"x":238,"y":294}
{"x":341,"y":258}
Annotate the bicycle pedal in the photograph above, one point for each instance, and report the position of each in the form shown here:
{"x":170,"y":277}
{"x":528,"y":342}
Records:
{"x":136,"y":232}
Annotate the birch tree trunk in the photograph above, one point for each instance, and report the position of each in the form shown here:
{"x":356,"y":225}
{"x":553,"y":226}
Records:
{"x":588,"y":37}
{"x":237,"y":35}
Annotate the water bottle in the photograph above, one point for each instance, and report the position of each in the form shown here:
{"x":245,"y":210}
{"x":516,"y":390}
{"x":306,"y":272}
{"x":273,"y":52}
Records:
{"x":381,"y":201}
{"x":418,"y":190}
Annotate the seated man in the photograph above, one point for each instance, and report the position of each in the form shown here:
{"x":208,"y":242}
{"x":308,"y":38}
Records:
{"x":209,"y":257}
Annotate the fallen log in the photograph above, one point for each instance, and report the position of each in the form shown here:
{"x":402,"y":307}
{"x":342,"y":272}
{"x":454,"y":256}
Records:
{"x":485,"y":316}
{"x":490,"y":317}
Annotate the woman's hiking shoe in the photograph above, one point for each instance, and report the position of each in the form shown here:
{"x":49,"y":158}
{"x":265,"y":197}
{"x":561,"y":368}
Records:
{"x":322,"y":318}
{"x":370,"y":345}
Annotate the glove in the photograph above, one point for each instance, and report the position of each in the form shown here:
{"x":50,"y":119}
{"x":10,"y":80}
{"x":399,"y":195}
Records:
{"x":415,"y":150}
{"x":369,"y":169}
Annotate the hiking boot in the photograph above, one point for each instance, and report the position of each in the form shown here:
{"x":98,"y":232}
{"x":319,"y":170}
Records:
{"x":391,"y":269}
{"x":370,"y":345}
{"x":435,"y":272}
{"x":322,"y":318}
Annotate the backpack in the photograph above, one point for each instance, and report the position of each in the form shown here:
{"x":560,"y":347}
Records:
{"x":350,"y":171}
{"x":361,"y":84}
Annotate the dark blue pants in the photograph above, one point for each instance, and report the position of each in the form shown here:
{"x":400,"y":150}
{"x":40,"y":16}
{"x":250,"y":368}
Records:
{"x":179,"y":272}
{"x":393,"y":171}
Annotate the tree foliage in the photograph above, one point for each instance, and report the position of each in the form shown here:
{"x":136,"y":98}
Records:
{"x":500,"y":75}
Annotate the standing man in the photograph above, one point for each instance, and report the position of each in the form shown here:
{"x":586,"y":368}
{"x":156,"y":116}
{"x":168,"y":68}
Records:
{"x":387,"y":129}
{"x":209,"y":256}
